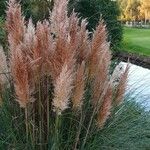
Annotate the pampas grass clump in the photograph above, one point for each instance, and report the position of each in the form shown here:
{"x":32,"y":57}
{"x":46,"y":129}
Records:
{"x":60,"y":77}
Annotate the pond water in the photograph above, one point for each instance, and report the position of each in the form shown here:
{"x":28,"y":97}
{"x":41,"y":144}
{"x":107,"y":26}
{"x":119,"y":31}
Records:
{"x":139,"y":84}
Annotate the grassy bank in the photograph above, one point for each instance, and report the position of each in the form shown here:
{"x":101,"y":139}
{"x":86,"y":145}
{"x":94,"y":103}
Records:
{"x":127,"y":129}
{"x":136,"y":41}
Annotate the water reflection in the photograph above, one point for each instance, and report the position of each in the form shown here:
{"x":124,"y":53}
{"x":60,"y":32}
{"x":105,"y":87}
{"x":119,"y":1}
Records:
{"x":139,"y":84}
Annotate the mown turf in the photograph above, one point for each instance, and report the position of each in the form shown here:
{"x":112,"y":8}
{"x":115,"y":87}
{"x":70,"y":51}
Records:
{"x":136,"y":41}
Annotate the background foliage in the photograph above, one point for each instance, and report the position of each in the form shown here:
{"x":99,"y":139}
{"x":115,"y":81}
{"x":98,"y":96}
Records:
{"x":135,"y":10}
{"x":2,"y":7}
{"x":93,"y":10}
{"x":107,"y":10}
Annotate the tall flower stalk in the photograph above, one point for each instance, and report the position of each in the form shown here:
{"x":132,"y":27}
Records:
{"x":53,"y":65}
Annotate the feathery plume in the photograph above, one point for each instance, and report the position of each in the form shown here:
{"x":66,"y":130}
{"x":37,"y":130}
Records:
{"x":29,"y":36}
{"x":120,"y":89}
{"x":105,"y":108}
{"x":53,"y":50}
{"x":43,"y":46}
{"x":30,"y":44}
{"x":63,"y":50}
{"x":78,"y":37}
{"x":79,"y":85}
{"x":15,"y":24}
{"x":83,"y":43}
{"x":70,"y":39}
{"x":62,"y":53}
{"x":73,"y":29}
{"x":101,"y":77}
{"x":63,"y":89}
{"x":99,"y":46}
{"x":21,"y":76}
{"x":59,"y":19}
{"x":99,"y":62}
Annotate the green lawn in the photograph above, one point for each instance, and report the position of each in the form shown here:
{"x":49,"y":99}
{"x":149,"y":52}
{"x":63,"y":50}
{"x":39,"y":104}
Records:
{"x":136,"y":41}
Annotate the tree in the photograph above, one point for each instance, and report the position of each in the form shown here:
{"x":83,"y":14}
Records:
{"x":93,"y":10}
{"x":129,"y":10}
{"x":145,"y":10}
{"x":132,"y":10}
{"x":122,"y":5}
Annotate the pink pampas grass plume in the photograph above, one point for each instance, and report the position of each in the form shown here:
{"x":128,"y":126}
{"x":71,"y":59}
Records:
{"x":79,"y":37}
{"x":105,"y":109}
{"x":42,"y":47}
{"x":101,"y":77}
{"x":21,"y":76}
{"x":99,"y":48}
{"x":79,"y":87}
{"x":58,"y":17}
{"x":63,"y":89}
{"x":14,"y":23}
